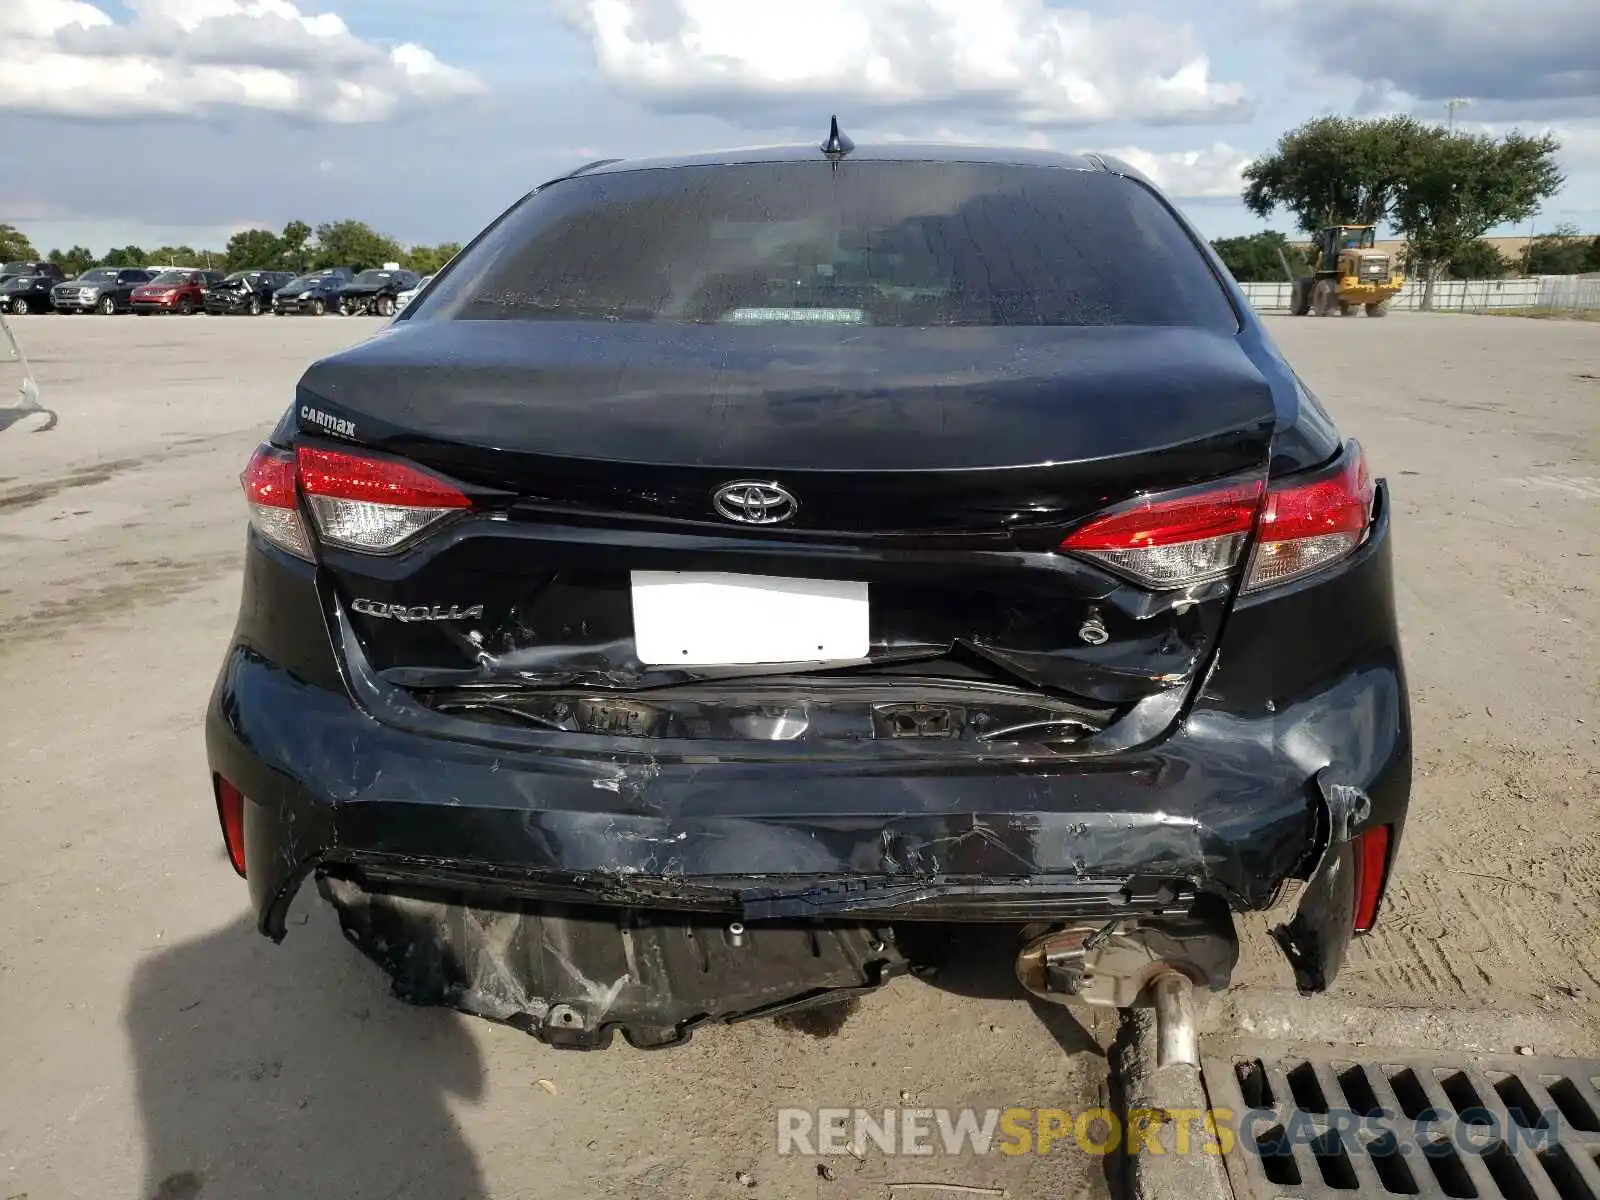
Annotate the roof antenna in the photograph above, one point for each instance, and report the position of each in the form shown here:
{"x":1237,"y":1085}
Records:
{"x":838,"y":144}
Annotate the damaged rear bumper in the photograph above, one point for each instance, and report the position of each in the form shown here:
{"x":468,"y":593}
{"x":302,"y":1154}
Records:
{"x":520,"y":877}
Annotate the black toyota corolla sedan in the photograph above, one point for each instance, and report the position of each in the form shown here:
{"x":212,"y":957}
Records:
{"x":735,"y":569}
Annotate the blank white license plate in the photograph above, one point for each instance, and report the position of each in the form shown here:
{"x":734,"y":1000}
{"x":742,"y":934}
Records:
{"x":704,"y":619}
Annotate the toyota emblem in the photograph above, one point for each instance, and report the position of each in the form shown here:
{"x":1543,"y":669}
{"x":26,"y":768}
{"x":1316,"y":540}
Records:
{"x":752,"y":503}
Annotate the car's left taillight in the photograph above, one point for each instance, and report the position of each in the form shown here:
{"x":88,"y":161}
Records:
{"x":270,"y":491}
{"x":374,"y":505}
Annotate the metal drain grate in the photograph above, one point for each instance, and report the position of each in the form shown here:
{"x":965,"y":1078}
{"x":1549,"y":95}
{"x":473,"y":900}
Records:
{"x":1500,"y":1127}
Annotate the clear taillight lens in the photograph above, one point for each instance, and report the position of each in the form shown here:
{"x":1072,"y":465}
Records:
{"x":372,"y":504}
{"x":1305,"y":527}
{"x":1174,"y":540}
{"x":1179,"y":539}
{"x":269,"y":490}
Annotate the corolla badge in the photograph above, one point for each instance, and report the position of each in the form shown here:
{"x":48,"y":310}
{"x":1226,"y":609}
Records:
{"x":753,"y":503}
{"x":417,"y":612}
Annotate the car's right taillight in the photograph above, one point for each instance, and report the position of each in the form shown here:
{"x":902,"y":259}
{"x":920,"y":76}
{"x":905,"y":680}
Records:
{"x":1304,"y":527}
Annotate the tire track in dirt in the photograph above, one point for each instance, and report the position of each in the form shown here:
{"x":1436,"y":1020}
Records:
{"x":1494,"y":893}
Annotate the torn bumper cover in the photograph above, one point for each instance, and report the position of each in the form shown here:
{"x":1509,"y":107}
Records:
{"x":570,"y":885}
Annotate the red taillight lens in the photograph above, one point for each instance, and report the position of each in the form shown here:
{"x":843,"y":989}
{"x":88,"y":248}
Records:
{"x":1173,"y":540}
{"x":1308,"y":526}
{"x":1372,"y":868}
{"x":230,"y":811}
{"x":269,"y":489}
{"x":372,"y":504}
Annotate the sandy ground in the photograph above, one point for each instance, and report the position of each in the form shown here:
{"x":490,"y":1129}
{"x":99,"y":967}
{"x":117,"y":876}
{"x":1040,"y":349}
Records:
{"x":151,"y":1045}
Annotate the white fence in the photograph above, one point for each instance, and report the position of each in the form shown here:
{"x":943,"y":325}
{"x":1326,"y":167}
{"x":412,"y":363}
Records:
{"x":1575,"y":292}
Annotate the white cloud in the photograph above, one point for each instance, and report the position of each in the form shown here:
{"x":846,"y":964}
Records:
{"x":1189,"y":174}
{"x":187,"y":57}
{"x":1018,"y":62}
{"x":1503,"y":55}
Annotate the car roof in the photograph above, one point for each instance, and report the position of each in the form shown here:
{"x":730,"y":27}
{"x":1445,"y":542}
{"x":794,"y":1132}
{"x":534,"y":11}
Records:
{"x":939,"y":152}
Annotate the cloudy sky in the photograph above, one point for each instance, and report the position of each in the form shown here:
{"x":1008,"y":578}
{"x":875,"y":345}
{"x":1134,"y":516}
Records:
{"x":166,"y":121}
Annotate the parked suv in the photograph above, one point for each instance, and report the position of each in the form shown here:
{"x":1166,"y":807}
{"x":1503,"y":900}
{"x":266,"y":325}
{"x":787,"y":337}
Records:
{"x":104,"y":290}
{"x":31,"y":270}
{"x":315,"y":292}
{"x":245,"y":292}
{"x":23,"y":294}
{"x":735,"y":569}
{"x":174,"y":291}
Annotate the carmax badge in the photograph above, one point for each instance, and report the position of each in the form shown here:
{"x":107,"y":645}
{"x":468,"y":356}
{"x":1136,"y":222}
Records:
{"x":417,"y":612}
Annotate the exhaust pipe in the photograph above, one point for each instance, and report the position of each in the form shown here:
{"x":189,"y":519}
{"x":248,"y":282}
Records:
{"x":1155,"y":962}
{"x":1177,"y":1036}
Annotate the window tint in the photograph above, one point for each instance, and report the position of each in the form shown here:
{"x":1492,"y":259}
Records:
{"x":868,"y":243}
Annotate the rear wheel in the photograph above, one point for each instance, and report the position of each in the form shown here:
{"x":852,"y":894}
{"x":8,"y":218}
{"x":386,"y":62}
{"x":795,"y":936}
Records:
{"x":1380,"y":309}
{"x":185,"y":306}
{"x":1324,"y":298}
{"x":108,"y":307}
{"x":1346,"y":309}
{"x":1300,"y":297}
{"x":19,"y":307}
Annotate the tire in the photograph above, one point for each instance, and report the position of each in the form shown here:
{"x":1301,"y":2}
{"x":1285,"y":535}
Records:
{"x":1346,"y":309}
{"x":386,"y":306}
{"x":1324,"y":298}
{"x":107,"y":307}
{"x":19,"y":307}
{"x":1380,"y":309}
{"x":185,"y":307}
{"x":318,"y":308}
{"x":255,"y":306}
{"x":1300,"y":297}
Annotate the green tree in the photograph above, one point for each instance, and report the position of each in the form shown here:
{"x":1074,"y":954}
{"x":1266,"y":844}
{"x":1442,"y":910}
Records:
{"x":73,"y":262}
{"x":183,"y":256}
{"x":1478,"y":260}
{"x":426,"y":260}
{"x":1333,"y":171}
{"x":13,"y":246}
{"x":295,"y":242}
{"x":254,"y":250}
{"x":125,"y":256}
{"x":1457,"y":186}
{"x":1255,"y":259}
{"x":353,"y":244}
{"x":1562,"y":251}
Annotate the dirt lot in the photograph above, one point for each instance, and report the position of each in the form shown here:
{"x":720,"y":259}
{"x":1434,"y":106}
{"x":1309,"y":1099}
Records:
{"x":152,"y":1045}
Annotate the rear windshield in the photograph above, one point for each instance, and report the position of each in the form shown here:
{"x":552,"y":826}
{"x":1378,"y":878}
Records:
{"x":868,"y":243}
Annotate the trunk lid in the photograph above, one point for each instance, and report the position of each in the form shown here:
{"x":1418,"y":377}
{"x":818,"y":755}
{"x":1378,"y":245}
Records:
{"x":941,"y":467}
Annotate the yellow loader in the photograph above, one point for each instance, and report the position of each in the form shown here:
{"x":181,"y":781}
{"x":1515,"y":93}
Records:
{"x":1348,"y":274}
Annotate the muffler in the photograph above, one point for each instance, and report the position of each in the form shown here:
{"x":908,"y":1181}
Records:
{"x":1116,"y":965}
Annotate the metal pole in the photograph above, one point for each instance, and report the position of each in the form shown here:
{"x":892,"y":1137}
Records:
{"x":1177,"y":1038}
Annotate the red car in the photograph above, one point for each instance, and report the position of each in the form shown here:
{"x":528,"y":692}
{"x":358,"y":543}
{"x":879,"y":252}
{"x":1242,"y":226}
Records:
{"x":178,"y":291}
